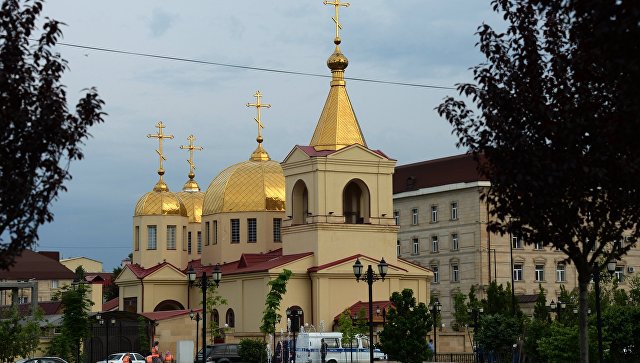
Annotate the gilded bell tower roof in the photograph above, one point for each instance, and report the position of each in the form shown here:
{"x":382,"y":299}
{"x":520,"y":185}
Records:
{"x":338,"y":126}
{"x":191,"y":196}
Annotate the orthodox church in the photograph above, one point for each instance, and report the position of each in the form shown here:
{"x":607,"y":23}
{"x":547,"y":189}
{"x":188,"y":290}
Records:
{"x":326,"y":205}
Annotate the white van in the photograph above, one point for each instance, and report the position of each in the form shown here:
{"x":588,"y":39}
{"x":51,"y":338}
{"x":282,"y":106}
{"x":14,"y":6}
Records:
{"x":308,"y":349}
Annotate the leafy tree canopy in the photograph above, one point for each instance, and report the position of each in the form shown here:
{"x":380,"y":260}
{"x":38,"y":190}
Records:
{"x":270,"y":315}
{"x":20,"y":335}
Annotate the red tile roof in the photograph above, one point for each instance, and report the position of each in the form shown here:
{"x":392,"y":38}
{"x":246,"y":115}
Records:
{"x":163,"y":315}
{"x":343,"y":260}
{"x":260,"y":262}
{"x":453,"y":169}
{"x":111,"y":304}
{"x":48,"y":307}
{"x":311,"y":151}
{"x":355,"y":309}
{"x":142,"y":272}
{"x":31,"y":264}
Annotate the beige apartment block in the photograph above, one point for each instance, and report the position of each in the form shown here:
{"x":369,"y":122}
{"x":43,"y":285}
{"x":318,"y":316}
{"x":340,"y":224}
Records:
{"x":443,"y":227}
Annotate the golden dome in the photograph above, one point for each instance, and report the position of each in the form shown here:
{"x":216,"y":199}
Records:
{"x":160,"y":202}
{"x":192,"y":201}
{"x":249,"y":186}
{"x":337,"y":61}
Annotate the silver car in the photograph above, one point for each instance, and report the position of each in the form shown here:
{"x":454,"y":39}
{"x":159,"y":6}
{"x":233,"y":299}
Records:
{"x":42,"y":360}
{"x":117,"y":358}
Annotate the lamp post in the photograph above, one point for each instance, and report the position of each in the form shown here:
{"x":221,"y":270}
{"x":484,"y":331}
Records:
{"x":196,"y":317}
{"x":557,"y":307}
{"x":611,"y":267}
{"x":293,"y":316}
{"x":204,"y":284}
{"x":370,"y":277}
{"x":435,"y":309}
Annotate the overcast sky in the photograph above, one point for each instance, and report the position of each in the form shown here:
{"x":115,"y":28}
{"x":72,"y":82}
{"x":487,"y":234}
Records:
{"x":429,"y":42}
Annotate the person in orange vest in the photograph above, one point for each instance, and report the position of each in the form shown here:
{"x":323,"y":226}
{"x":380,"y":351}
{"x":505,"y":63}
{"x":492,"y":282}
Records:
{"x":155,"y":352}
{"x":126,"y":358}
{"x":168,"y":358}
{"x":149,"y":359}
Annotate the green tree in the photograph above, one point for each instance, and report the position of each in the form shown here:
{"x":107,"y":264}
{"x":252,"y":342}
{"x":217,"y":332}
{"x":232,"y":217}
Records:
{"x":36,"y":128}
{"x":214,"y":299}
{"x":270,"y":315}
{"x":362,"y":323}
{"x":75,"y":322}
{"x":111,"y":290}
{"x":404,"y":337}
{"x":346,"y":327}
{"x":622,"y":332}
{"x":555,"y":121}
{"x":498,"y":300}
{"x":460,"y":313}
{"x":537,"y":327}
{"x":253,"y":350}
{"x":498,"y":332}
{"x":20,"y":335}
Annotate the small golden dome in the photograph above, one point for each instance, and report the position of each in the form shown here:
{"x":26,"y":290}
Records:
{"x":337,"y":61}
{"x":160,"y":202}
{"x":192,"y":201}
{"x":249,"y":186}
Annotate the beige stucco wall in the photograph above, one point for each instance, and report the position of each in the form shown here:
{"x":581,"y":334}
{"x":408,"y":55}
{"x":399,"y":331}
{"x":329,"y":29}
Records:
{"x":89,"y":265}
{"x":148,"y":258}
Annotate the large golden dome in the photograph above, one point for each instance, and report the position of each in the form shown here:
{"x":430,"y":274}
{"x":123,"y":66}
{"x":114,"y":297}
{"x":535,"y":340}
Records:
{"x":192,"y":198}
{"x":249,"y":186}
{"x":160,"y":201}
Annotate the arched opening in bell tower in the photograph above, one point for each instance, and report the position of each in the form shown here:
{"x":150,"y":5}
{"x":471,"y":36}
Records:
{"x":300,"y":203}
{"x":355,"y":202}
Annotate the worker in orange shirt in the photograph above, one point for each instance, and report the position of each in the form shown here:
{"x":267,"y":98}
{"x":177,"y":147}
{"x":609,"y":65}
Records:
{"x":168,"y":358}
{"x":155,"y":352}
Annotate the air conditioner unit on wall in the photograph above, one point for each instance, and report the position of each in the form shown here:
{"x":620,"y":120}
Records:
{"x":631,"y":269}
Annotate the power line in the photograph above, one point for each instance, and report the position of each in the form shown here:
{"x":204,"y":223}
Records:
{"x":261,"y":69}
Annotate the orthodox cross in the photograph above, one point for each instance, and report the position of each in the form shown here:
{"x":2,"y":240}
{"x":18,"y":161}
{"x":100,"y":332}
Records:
{"x":160,"y":136}
{"x":337,"y":4}
{"x":191,"y":149}
{"x":258,"y":106}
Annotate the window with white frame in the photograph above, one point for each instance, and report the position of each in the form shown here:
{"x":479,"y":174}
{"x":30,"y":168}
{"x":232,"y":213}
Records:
{"x":539,"y":272}
{"x":454,"y":211}
{"x":277,"y":230}
{"x":152,"y":237}
{"x":199,"y":237}
{"x":517,"y":272}
{"x":538,"y":246}
{"x":23,"y":300}
{"x":455,"y":243}
{"x":561,"y":272}
{"x":414,"y":216}
{"x":436,"y":273}
{"x":416,"y":246}
{"x":434,"y":213}
{"x":455,"y":272}
{"x":619,"y":273}
{"x":434,"y":244}
{"x":235,"y":231}
{"x":397,"y":247}
{"x":171,"y":237}
{"x":516,"y":242}
{"x":396,"y":216}
{"x":252,"y":230}
{"x":55,"y":284}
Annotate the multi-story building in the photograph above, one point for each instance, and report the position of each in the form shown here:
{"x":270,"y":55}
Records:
{"x":442,"y":223}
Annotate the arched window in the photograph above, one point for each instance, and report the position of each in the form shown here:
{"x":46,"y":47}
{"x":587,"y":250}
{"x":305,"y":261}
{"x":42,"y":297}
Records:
{"x":215,"y":317}
{"x":355,"y":202}
{"x":300,"y":203}
{"x":230,"y":319}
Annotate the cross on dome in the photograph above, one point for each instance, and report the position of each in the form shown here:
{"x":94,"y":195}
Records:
{"x":337,"y":4}
{"x":160,"y":136}
{"x":191,"y":149}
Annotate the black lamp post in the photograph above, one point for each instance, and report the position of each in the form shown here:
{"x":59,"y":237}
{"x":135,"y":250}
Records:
{"x":611,"y":267}
{"x":557,"y":307}
{"x":370,"y":277}
{"x":204,"y":284}
{"x":196,"y":317}
{"x":293,"y":315}
{"x":435,"y":309}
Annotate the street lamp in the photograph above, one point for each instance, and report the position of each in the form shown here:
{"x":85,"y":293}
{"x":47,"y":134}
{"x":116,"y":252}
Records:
{"x":293,"y":316}
{"x":557,"y":307}
{"x":611,"y":267}
{"x":435,"y":309}
{"x":196,"y":317}
{"x":204,"y":284}
{"x":370,"y":277}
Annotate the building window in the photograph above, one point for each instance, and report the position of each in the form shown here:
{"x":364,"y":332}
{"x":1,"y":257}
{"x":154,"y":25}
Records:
{"x":436,"y":274}
{"x":516,"y":242}
{"x":517,"y":272}
{"x":398,"y":248}
{"x":396,"y":216}
{"x":206,"y":233}
{"x":189,"y":243}
{"x":54,"y":284}
{"x":184,"y":238}
{"x":215,"y":317}
{"x":23,"y":300}
{"x":434,"y":244}
{"x":152,"y":237}
{"x":414,"y":216}
{"x":136,"y":239}
{"x":454,"y":211}
{"x":434,"y":213}
{"x":619,"y":273}
{"x":455,"y":273}
{"x":538,"y":246}
{"x":199,"y":242}
{"x":235,"y":231}
{"x":230,"y":318}
{"x":215,"y":232}
{"x":539,"y":273}
{"x":277,"y":230}
{"x":561,"y":273}
{"x":416,"y":246}
{"x":171,"y":237}
{"x":252,"y":230}
{"x":455,"y":243}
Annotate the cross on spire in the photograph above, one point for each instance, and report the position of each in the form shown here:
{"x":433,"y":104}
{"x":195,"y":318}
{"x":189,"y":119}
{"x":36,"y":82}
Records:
{"x":337,"y":4}
{"x":160,"y":136}
{"x":258,"y":106}
{"x":191,"y":149}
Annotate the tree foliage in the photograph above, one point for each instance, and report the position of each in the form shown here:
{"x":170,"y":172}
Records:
{"x":214,"y":299}
{"x":111,"y":290}
{"x":253,"y":350}
{"x":270,"y":315}
{"x":20,"y":335}
{"x":557,"y":121}
{"x":460,"y":313}
{"x":346,"y":327}
{"x":39,"y":137}
{"x":404,"y":337}
{"x":75,"y":322}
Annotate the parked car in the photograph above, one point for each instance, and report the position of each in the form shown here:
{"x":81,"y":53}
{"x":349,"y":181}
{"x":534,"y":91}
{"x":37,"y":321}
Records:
{"x":117,"y":358}
{"x":220,"y":353}
{"x":42,"y":360}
